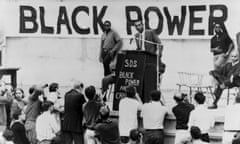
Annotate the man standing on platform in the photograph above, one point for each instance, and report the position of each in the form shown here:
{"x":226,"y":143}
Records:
{"x":110,"y":45}
{"x":226,"y":77}
{"x":221,"y":46}
{"x":152,"y":43}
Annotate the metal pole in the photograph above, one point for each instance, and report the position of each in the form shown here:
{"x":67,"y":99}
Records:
{"x":143,"y":35}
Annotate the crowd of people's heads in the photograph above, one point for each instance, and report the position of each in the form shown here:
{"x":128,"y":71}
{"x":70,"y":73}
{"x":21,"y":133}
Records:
{"x":135,"y":135}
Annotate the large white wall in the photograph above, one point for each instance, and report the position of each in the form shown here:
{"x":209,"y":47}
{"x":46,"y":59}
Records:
{"x":62,"y":60}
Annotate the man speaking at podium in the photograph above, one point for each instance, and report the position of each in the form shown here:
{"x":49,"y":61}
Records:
{"x":151,"y":42}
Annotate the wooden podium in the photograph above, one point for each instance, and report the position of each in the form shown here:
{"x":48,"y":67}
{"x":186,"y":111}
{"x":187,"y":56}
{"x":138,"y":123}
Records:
{"x":138,"y":68}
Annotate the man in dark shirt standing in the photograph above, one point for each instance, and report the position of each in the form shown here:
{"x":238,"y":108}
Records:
{"x":181,"y":111}
{"x":73,"y":115}
{"x":110,"y":45}
{"x":107,"y":130}
{"x":221,"y":46}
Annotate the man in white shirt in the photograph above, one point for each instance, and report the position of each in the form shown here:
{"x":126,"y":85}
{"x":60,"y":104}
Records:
{"x":232,"y":121}
{"x":201,"y":116}
{"x":128,"y":109}
{"x":153,"y":114}
{"x":46,"y":124}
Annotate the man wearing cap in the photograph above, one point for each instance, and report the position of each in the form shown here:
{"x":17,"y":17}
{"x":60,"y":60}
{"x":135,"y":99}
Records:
{"x":181,"y":111}
{"x":110,"y":45}
{"x":232,"y":121}
{"x":128,"y":110}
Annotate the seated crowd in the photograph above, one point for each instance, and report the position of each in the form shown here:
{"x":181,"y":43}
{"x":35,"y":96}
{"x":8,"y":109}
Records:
{"x":82,"y":117}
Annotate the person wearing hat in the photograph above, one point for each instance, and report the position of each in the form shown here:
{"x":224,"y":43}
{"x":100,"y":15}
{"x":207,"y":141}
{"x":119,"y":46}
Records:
{"x":110,"y":45}
{"x":232,"y":121}
{"x":129,"y":107}
{"x":181,"y":111}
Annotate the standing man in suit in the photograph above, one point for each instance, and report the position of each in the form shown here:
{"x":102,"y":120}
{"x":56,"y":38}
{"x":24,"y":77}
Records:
{"x":73,"y":115}
{"x":151,"y":40}
{"x":152,"y":44}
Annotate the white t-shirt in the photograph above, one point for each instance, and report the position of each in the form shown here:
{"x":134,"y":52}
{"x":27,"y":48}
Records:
{"x":153,"y":114}
{"x":128,"y":109}
{"x":202,"y":118}
{"x":46,"y":126}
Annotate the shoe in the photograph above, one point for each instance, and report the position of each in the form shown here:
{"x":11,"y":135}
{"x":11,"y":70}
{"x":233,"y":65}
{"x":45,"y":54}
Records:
{"x":213,"y":106}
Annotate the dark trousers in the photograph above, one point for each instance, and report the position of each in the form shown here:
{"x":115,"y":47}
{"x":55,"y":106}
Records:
{"x":70,"y":137}
{"x":218,"y":92}
{"x":106,"y":81}
{"x":106,"y":62}
{"x":153,"y":136}
{"x":205,"y":137}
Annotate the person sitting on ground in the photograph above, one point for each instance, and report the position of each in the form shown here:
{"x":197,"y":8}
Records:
{"x":107,"y":130}
{"x":195,"y":137}
{"x":197,"y":119}
{"x":129,"y":107}
{"x":17,"y":126}
{"x":153,"y":114}
{"x":136,"y":137}
{"x":226,"y":77}
{"x":46,"y":124}
{"x":90,"y":114}
{"x":181,"y":111}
